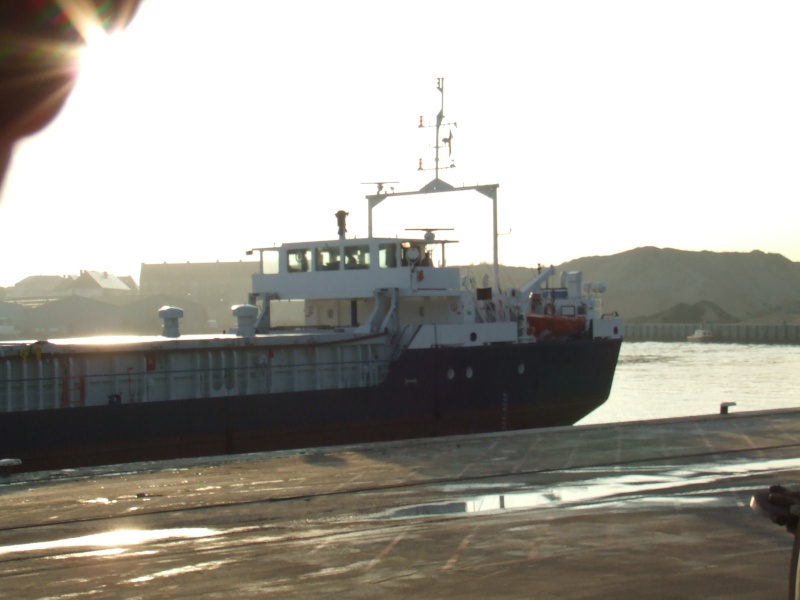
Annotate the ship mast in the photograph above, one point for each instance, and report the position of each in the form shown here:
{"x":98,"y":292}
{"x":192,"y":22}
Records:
{"x":437,"y":185}
{"x":438,"y":141}
{"x":439,"y":119}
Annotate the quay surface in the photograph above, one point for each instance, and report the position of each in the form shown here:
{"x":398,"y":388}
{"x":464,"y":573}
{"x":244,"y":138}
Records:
{"x":653,"y":510}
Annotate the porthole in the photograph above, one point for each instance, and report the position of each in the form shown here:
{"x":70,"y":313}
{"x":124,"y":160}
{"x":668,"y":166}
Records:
{"x":473,"y":336}
{"x":451,"y":374}
{"x":521,"y":368}
{"x":468,"y":373}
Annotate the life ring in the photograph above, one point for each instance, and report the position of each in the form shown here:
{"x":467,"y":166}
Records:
{"x":550,"y":309}
{"x":420,"y":275}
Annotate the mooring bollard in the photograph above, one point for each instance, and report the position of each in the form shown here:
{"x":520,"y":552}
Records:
{"x":723,"y":408}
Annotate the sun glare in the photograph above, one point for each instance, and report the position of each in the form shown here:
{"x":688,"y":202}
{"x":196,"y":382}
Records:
{"x":103,"y":64}
{"x":95,"y":36}
{"x":99,"y":52}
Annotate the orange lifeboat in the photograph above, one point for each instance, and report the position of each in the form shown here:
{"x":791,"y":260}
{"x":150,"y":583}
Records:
{"x":556,"y":325}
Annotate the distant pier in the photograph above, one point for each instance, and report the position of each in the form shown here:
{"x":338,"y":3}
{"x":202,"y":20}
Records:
{"x":735,"y":333}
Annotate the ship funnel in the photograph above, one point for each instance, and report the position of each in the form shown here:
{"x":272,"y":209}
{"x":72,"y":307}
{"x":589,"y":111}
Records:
{"x":245,"y":319}
{"x":170,"y":315}
{"x":341,"y":221}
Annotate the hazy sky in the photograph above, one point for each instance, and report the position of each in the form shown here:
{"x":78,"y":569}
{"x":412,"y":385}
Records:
{"x":212,"y":127}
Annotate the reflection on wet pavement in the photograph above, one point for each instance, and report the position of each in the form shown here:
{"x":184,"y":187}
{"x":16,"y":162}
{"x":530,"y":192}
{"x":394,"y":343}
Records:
{"x":196,"y":568}
{"x":115,"y":540}
{"x":702,"y":484}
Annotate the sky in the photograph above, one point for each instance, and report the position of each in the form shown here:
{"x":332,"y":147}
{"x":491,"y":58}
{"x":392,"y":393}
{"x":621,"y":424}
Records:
{"x":212,"y":127}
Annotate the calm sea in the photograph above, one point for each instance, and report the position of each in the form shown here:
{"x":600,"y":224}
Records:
{"x":657,"y":380}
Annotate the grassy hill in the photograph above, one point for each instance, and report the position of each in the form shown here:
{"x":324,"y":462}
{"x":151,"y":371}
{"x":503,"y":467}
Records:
{"x":647,"y":283}
{"x":749,"y":286}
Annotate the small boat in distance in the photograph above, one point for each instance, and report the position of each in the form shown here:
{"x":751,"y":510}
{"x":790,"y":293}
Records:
{"x":701,"y":334}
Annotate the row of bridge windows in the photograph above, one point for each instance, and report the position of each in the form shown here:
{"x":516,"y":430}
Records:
{"x":356,"y":256}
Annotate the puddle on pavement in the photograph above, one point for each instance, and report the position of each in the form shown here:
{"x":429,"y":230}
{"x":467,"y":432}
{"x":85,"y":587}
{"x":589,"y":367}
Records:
{"x":196,"y":568}
{"x":114,"y":541}
{"x":631,"y":487}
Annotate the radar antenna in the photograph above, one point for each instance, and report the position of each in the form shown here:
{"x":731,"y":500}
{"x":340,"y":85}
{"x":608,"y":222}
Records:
{"x":429,"y":235}
{"x":380,"y":185}
{"x":430,"y":239}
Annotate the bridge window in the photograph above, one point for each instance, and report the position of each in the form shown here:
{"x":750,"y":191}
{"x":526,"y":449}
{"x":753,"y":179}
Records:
{"x":387,"y":256}
{"x":269,"y":263}
{"x":356,"y":257}
{"x":327,"y":259}
{"x":298,"y":260}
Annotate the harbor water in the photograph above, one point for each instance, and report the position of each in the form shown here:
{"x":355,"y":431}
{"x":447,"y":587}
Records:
{"x":656,"y":380}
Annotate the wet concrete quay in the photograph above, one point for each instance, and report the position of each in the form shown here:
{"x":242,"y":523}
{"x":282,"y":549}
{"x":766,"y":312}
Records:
{"x":657,"y":509}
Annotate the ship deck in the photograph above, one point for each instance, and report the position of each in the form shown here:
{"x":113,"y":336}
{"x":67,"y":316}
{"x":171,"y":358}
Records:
{"x":654,"y":509}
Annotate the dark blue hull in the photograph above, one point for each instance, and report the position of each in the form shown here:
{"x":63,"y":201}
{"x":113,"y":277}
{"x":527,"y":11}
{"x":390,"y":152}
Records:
{"x":431,"y":392}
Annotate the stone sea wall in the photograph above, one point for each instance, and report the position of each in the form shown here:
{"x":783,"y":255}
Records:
{"x":736,"y":333}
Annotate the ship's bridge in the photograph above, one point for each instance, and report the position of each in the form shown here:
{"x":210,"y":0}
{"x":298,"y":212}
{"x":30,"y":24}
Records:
{"x":356,"y":268}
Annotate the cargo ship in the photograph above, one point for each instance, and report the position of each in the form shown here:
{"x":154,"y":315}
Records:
{"x":393,"y":344}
